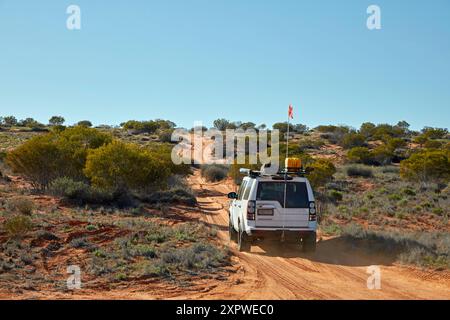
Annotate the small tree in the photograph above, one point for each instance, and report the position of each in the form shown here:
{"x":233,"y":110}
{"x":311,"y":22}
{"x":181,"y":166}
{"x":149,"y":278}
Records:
{"x":221,"y":124}
{"x":10,"y":121}
{"x":84,"y":123}
{"x":301,"y":128}
{"x":56,"y":121}
{"x":29,"y":123}
{"x":283,"y":126}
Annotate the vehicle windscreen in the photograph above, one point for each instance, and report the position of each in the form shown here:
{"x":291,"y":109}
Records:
{"x":296,"y":193}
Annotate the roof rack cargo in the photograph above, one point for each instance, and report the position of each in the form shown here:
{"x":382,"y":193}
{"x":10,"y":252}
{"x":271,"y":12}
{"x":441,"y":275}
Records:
{"x":293,"y":167}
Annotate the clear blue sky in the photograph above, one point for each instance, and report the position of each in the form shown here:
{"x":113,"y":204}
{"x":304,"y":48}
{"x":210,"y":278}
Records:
{"x":246,"y":60}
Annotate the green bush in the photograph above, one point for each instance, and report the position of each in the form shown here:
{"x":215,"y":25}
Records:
{"x":175,"y":195}
{"x":425,"y":166}
{"x":214,"y":172}
{"x":44,"y":158}
{"x":21,"y":204}
{"x":359,"y":171}
{"x":359,"y":155}
{"x":122,"y":166}
{"x":335,"y":195}
{"x":18,"y":226}
{"x":352,"y":140}
{"x":39,"y":160}
{"x":79,"y":192}
{"x":322,"y":172}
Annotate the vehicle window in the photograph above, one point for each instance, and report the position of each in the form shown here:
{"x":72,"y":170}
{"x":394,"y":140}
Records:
{"x":241,"y":190}
{"x":296,"y":193}
{"x":247,"y":191}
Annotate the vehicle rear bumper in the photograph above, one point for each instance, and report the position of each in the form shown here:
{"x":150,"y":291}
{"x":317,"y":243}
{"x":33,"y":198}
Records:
{"x":275,"y":232}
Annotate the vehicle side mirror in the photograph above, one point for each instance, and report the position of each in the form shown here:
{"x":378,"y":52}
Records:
{"x":232,"y":195}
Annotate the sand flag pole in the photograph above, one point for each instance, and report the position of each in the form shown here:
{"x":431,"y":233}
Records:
{"x":290,"y":116}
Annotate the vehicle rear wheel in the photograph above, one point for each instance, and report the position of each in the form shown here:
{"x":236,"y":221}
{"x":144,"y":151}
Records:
{"x":232,"y":233}
{"x":309,"y":242}
{"x":243,"y":241}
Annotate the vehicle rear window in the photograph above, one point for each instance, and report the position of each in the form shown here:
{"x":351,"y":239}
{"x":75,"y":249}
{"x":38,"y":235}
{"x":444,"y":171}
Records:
{"x":296,"y":193}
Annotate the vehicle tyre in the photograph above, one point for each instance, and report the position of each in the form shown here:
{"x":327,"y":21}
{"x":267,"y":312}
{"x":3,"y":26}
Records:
{"x":243,"y":241}
{"x":309,"y":242}
{"x":232,"y":233}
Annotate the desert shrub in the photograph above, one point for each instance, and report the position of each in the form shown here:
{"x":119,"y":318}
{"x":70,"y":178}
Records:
{"x":390,"y":169}
{"x":17,"y":226}
{"x":385,"y":131}
{"x":79,"y":192}
{"x":150,"y":126}
{"x":175,"y":195}
{"x":165,"y":136}
{"x":367,"y":129}
{"x":283,"y":127}
{"x":38,"y":159}
{"x":323,"y":171}
{"x":335,"y":195}
{"x":214,"y":172}
{"x":425,"y":166}
{"x":2,"y":156}
{"x":359,"y":155}
{"x":163,"y":153}
{"x":359,"y":171}
{"x":333,"y":134}
{"x":20,"y":204}
{"x":44,"y":158}
{"x":433,"y":144}
{"x":68,"y":188}
{"x":382,"y":155}
{"x":396,"y":143}
{"x":434,"y":133}
{"x":352,"y":140}
{"x":120,"y":165}
{"x":311,"y":144}
{"x":199,"y":256}
{"x":81,"y":243}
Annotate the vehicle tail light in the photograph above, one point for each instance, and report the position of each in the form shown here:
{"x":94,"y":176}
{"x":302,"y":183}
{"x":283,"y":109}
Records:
{"x":251,"y":209}
{"x":312,"y":211}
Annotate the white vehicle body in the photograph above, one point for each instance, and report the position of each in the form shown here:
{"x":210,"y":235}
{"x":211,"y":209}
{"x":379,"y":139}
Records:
{"x":257,"y":210}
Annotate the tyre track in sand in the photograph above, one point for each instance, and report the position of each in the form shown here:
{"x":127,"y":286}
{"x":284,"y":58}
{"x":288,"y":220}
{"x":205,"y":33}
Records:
{"x":275,"y":271}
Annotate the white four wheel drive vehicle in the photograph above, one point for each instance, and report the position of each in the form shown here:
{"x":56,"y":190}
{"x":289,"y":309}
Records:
{"x":280,"y":205}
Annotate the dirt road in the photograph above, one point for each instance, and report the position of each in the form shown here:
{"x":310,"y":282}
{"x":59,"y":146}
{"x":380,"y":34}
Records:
{"x":335,"y":271}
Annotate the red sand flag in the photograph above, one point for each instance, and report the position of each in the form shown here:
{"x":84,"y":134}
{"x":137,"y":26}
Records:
{"x":291,"y":112}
